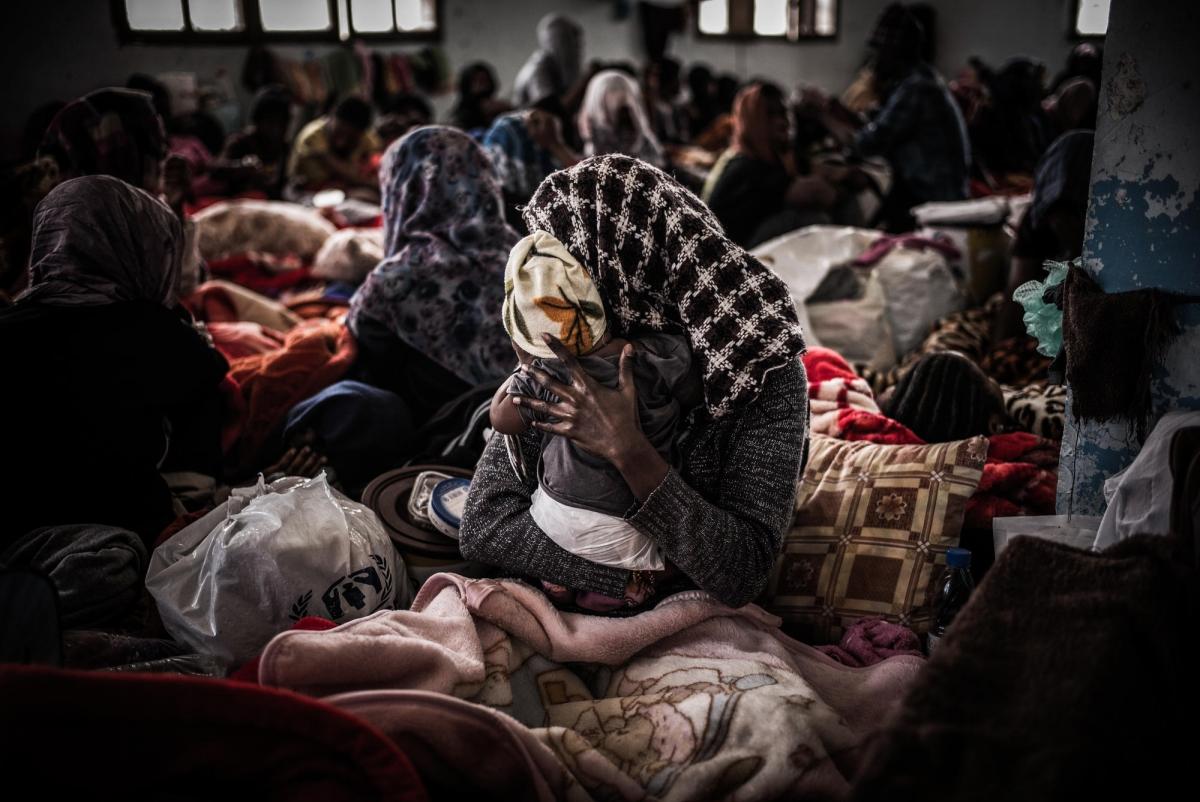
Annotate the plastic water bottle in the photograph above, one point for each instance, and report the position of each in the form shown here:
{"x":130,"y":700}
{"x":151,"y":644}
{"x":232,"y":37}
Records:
{"x":953,"y":588}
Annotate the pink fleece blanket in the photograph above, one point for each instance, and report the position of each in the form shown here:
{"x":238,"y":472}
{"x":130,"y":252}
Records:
{"x":691,"y":700}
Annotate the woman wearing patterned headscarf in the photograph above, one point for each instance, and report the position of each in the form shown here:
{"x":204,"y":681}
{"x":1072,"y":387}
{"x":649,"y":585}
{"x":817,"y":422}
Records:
{"x":108,"y":383}
{"x":427,"y":319}
{"x":661,"y":263}
{"x":525,"y":147}
{"x":613,"y":119}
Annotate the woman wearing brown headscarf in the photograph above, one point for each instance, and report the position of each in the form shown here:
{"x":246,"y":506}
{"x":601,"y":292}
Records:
{"x":754,"y":189}
{"x":106,"y":383}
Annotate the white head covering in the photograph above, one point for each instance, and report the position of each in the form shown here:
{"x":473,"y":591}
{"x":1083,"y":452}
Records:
{"x":608,"y":93}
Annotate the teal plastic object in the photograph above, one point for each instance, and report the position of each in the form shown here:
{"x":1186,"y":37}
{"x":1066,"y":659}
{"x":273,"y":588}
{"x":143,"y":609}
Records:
{"x":1043,"y":320}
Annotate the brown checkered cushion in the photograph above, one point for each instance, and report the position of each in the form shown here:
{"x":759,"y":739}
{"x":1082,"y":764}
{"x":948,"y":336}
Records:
{"x":871,"y":531}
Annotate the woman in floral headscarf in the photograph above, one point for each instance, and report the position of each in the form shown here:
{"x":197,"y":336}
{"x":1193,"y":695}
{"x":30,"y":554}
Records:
{"x":427,"y":319}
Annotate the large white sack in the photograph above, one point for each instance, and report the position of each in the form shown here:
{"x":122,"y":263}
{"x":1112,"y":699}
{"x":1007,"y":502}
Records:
{"x":858,"y":329}
{"x":920,"y":289}
{"x":802,"y":258}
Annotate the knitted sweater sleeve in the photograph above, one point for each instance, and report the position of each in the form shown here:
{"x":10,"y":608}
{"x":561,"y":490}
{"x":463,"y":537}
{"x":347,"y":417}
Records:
{"x":724,"y":542}
{"x":727,"y":541}
{"x":497,"y":528}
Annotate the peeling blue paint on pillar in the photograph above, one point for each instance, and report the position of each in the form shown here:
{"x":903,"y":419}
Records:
{"x":1143,"y":228}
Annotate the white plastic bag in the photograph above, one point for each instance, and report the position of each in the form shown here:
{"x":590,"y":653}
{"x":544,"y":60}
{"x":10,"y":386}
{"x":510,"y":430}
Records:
{"x":802,"y":258}
{"x":267,"y":557}
{"x":1077,"y":531}
{"x":920,"y":290}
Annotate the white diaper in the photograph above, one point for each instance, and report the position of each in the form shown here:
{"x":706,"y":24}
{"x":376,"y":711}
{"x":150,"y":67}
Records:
{"x":595,"y":536}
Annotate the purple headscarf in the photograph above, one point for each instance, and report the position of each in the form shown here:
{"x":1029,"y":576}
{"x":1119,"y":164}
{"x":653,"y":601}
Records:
{"x":440,"y":286}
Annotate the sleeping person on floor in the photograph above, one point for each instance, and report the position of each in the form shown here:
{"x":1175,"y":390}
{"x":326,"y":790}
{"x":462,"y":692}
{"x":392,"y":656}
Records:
{"x":611,"y":442}
{"x":581,"y":498}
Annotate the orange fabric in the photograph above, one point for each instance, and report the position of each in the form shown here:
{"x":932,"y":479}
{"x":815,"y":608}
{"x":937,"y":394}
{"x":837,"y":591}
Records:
{"x":314,"y":304}
{"x":314,"y":355}
{"x":573,"y":330}
{"x":752,"y":128}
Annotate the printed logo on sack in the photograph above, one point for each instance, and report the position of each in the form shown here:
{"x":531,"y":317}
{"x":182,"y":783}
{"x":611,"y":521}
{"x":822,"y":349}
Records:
{"x":351,"y":593}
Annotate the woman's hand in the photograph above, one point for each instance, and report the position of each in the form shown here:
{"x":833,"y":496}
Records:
{"x":600,"y":420}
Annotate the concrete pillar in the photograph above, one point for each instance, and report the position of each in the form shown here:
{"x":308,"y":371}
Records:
{"x":1143,"y":226}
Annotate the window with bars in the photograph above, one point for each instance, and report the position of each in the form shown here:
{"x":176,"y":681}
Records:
{"x":240,"y":21}
{"x":790,"y":20}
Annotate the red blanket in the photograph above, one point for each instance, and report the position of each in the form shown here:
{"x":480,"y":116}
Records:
{"x":255,"y":272}
{"x":314,"y":355}
{"x":95,"y":735}
{"x":843,"y":406}
{"x":1020,"y":478}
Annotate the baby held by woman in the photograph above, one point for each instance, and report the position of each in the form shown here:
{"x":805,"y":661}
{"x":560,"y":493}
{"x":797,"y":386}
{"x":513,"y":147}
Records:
{"x":582,"y":502}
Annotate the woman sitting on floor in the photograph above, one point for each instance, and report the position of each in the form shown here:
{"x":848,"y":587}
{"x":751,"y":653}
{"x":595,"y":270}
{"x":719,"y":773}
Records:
{"x":118,"y":132}
{"x":754,"y":189}
{"x":109,"y":382}
{"x":525,"y":147}
{"x":427,"y":319}
{"x":719,"y":514}
{"x":613,"y":119}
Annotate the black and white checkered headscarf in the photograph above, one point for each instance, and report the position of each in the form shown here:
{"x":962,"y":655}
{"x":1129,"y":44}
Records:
{"x":662,"y":263}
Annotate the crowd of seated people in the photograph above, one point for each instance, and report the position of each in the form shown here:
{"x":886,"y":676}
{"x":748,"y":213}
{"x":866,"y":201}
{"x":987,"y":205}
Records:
{"x":149,"y":367}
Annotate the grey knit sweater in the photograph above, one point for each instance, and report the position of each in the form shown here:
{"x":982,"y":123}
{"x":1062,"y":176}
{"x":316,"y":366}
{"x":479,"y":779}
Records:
{"x":720,"y":518}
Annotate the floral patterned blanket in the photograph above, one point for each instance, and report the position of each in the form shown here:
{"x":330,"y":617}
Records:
{"x":691,"y":700}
